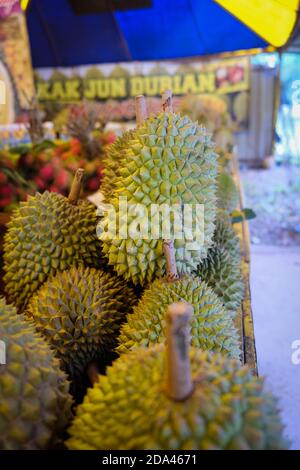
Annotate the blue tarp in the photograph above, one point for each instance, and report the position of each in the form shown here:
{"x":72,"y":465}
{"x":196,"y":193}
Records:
{"x":169,"y":29}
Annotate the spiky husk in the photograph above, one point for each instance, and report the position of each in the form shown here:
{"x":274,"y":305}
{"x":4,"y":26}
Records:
{"x":221,"y":269}
{"x":212,"y":326}
{"x":227,"y":193}
{"x":79,"y":312}
{"x":167,"y":160}
{"x":111,"y":164}
{"x":35,"y":404}
{"x":128,"y":409}
{"x":47,"y":234}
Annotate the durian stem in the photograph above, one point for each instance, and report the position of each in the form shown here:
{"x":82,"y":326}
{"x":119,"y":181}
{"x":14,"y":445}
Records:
{"x":169,"y":252}
{"x":140,"y":109}
{"x":179,"y":379}
{"x":76,"y":186}
{"x":93,"y":372}
{"x":167,"y":105}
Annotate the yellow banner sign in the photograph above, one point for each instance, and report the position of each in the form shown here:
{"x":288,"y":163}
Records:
{"x":123,"y":81}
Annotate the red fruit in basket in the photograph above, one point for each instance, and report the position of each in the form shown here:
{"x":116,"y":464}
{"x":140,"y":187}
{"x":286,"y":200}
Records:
{"x":110,"y":137}
{"x":3,"y":178}
{"x":6,"y":195}
{"x":4,"y":202}
{"x":62,"y":179}
{"x":6,"y":191}
{"x":47,"y":172}
{"x":75,"y":146}
{"x":40,"y":183}
{"x":29,"y":159}
{"x":93,"y":184}
{"x":53,"y":188}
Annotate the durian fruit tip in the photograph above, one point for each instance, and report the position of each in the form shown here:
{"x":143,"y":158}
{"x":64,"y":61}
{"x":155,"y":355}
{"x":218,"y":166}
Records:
{"x":169,"y":252}
{"x":179,"y":384}
{"x":167,"y":105}
{"x":76,"y":186}
{"x":140,"y":109}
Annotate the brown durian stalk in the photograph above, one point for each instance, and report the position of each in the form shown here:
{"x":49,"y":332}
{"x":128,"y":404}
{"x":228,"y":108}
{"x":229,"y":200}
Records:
{"x":179,"y":384}
{"x":93,"y":372}
{"x":167,"y":105}
{"x":169,"y":252}
{"x":140,"y":110}
{"x":76,"y":187}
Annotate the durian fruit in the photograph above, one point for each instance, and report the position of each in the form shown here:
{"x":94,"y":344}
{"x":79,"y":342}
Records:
{"x":48,"y":233}
{"x":212,"y":325}
{"x":35,"y":405}
{"x":173,"y":398}
{"x":227,"y":193}
{"x":221,"y":269}
{"x":111,"y":164}
{"x":167,"y":162}
{"x":79,"y":312}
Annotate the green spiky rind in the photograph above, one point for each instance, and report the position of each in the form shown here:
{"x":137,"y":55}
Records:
{"x":128,"y":408}
{"x":227,"y":193}
{"x":35,"y":404}
{"x":223,"y":274}
{"x":221,"y":269}
{"x":79,"y":312}
{"x":47,"y":234}
{"x":211,"y":328}
{"x":111,"y":163}
{"x":168,"y":160}
{"x":224,"y":234}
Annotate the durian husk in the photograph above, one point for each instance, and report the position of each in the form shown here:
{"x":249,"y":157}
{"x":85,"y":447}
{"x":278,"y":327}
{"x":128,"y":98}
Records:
{"x":47,"y":234}
{"x":128,"y":409}
{"x":212,"y":326}
{"x":221,"y":269}
{"x":111,"y":164}
{"x":168,"y":160}
{"x":227,"y":193}
{"x":35,"y":403}
{"x":79,"y":312}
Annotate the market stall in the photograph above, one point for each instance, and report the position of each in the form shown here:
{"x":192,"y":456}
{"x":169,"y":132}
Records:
{"x":125,"y":307}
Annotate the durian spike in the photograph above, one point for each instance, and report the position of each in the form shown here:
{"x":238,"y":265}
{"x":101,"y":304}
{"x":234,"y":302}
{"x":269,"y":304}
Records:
{"x":140,"y":109}
{"x":93,"y":373}
{"x":169,"y":252}
{"x":166,"y":104}
{"x":76,"y":186}
{"x":179,"y":384}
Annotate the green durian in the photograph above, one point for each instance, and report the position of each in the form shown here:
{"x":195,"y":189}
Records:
{"x":111,"y":164}
{"x":167,"y":160}
{"x":212,"y":326}
{"x":79,"y":312}
{"x":221,"y":269}
{"x":170,"y":398}
{"x":227,"y":193}
{"x":47,"y":234}
{"x":35,"y":405}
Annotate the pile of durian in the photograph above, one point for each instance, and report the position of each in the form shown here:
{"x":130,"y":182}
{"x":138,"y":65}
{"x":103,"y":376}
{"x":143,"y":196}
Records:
{"x":124,"y":343}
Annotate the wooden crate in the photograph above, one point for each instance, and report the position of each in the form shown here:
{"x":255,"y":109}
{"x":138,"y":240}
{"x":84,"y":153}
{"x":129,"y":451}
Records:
{"x":245,"y":317}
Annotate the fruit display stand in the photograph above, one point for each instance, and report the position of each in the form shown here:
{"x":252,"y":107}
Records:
{"x":245,"y":317}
